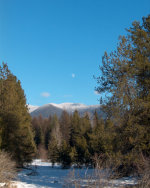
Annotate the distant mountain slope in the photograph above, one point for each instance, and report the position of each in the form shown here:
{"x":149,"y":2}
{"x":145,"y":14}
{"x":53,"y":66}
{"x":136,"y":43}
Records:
{"x":51,"y":109}
{"x":32,"y":108}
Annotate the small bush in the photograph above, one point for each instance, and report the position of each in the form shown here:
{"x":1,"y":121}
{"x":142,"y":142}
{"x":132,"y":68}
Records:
{"x":144,"y":171}
{"x":7,"y":168}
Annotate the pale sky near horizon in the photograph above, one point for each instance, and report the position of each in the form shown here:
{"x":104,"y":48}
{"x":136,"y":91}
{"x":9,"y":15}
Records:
{"x":55,"y":46}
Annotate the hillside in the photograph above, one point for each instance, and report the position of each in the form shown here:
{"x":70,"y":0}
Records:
{"x":52,"y":108}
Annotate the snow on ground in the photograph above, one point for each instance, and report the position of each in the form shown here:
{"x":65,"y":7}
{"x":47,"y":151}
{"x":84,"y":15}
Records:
{"x":43,"y":175}
{"x":19,"y":184}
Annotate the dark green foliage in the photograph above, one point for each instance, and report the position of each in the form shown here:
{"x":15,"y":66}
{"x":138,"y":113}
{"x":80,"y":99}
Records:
{"x":16,"y":135}
{"x":125,"y":77}
{"x":65,"y":128}
{"x":73,"y":155}
{"x":83,"y":155}
{"x":53,"y":150}
{"x":47,"y":131}
{"x":80,"y":127}
{"x":83,"y":140}
{"x":69,"y":139}
{"x":37,"y":129}
{"x":75,"y":128}
{"x":65,"y":157}
{"x":55,"y":141}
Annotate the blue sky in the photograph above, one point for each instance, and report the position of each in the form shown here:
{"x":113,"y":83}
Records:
{"x":55,"y":46}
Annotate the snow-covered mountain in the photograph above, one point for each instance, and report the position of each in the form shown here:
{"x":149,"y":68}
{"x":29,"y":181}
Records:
{"x":52,"y":108}
{"x":32,"y":108}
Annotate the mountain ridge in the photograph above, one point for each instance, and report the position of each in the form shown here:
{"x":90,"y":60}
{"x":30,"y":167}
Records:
{"x":51,"y":109}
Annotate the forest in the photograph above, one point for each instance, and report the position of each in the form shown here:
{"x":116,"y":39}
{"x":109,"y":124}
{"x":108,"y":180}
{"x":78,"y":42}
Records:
{"x":122,"y":136}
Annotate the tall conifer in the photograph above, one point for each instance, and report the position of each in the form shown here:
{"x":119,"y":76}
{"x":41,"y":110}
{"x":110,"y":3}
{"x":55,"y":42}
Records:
{"x":16,"y":131}
{"x":125,"y":77}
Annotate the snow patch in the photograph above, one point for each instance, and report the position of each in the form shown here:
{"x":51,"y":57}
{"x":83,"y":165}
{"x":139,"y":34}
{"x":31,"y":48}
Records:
{"x":39,"y":162}
{"x":32,"y":108}
{"x":69,"y":106}
{"x":19,"y":184}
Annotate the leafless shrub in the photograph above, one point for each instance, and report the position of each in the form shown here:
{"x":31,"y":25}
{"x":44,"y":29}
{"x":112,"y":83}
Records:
{"x":73,"y":180}
{"x":12,"y":186}
{"x":104,"y":175}
{"x":99,"y":177}
{"x":9,"y":185}
{"x":104,"y":170}
{"x":7,"y":168}
{"x":143,"y":167}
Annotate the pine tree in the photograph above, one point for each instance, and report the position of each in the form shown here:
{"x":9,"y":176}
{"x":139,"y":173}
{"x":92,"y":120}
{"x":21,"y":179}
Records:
{"x":140,"y":37}
{"x":48,"y":131}
{"x":37,"y":129}
{"x":65,"y":157}
{"x":53,"y":150}
{"x":97,"y":137}
{"x":75,"y":128}
{"x":56,"y":133}
{"x":55,"y":141}
{"x":80,"y":127}
{"x":65,"y":126}
{"x":85,"y":126}
{"x":16,"y":133}
{"x":73,"y":155}
{"x":125,"y":80}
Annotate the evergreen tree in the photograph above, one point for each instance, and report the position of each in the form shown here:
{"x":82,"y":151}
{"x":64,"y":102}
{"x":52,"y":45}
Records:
{"x":37,"y":129}
{"x":48,"y":131}
{"x":125,"y":80}
{"x":95,"y":120}
{"x":56,"y":130}
{"x":65,"y":157}
{"x":75,"y":128}
{"x":65,"y":126}
{"x":97,"y":139}
{"x":55,"y":141}
{"x":73,"y":155}
{"x":53,"y":150}
{"x":85,"y":126}
{"x":80,"y":127}
{"x":16,"y":134}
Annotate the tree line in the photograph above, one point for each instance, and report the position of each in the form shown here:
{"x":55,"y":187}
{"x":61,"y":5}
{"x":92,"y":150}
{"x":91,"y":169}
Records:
{"x":72,"y":139}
